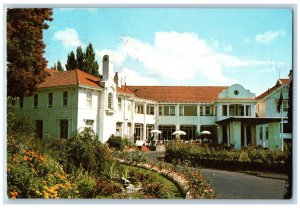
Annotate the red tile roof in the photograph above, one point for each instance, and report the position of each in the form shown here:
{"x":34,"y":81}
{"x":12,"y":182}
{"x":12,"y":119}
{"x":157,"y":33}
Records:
{"x":275,"y":87}
{"x":73,"y":77}
{"x":178,"y":94}
{"x":123,"y":90}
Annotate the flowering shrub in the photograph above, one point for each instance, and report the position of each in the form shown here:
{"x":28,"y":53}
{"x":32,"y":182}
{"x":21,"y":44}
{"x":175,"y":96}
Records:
{"x":32,"y":175}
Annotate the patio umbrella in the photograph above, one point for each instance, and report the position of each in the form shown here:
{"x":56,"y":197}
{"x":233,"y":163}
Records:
{"x":155,"y":131}
{"x":179,"y":132}
{"x":205,"y":132}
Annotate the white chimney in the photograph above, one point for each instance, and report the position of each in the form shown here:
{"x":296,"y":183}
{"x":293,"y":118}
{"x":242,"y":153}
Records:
{"x":107,"y":68}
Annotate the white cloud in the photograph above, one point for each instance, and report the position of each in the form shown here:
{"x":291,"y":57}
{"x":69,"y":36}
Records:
{"x":177,"y":57}
{"x":131,"y":77}
{"x":69,"y":37}
{"x":268,"y":37}
{"x":180,"y":56}
{"x":221,"y":46}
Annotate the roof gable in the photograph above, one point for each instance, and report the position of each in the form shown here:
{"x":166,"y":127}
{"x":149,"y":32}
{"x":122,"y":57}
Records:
{"x":73,"y":77}
{"x":278,"y":85}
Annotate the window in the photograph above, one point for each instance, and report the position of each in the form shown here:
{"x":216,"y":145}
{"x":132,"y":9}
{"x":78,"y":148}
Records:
{"x":65,"y":99}
{"x":150,"y":110}
{"x":119,"y":103}
{"x":172,"y":111}
{"x":36,"y":101}
{"x":267,"y":133}
{"x":207,"y":111}
{"x":21,"y":102}
{"x":181,"y":110}
{"x":129,"y":106}
{"x":89,"y":99}
{"x":190,"y":110}
{"x":139,"y":108}
{"x":201,"y":111}
{"x":285,"y":106}
{"x":109,"y":101}
{"x":50,"y":99}
{"x":169,"y":110}
{"x":241,"y":110}
{"x":39,"y":129}
{"x":248,"y":110}
{"x":224,"y":110}
{"x":89,"y":123}
{"x":64,"y":128}
{"x":160,"y":110}
{"x":260,"y":132}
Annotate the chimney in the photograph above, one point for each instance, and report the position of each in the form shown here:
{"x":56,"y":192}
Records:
{"x":105,"y":74}
{"x":116,"y":78}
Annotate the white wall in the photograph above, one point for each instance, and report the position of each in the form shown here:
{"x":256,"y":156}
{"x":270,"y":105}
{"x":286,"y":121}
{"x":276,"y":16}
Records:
{"x":51,"y":116}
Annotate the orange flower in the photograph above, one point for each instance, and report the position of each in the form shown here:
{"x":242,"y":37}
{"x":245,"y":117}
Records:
{"x":25,"y":158}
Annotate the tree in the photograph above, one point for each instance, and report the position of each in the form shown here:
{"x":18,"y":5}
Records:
{"x":91,"y":65}
{"x":80,"y":58}
{"x":25,"y":49}
{"x":59,"y":66}
{"x":83,"y":61}
{"x":71,"y":61}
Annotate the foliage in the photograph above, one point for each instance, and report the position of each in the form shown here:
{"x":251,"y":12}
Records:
{"x":58,"y":66}
{"x":85,"y":184}
{"x":104,"y":187}
{"x":84,"y":61}
{"x":116,"y":142}
{"x":71,"y":61}
{"x":25,"y":49}
{"x":31,"y":174}
{"x":82,"y":150}
{"x":206,"y":156}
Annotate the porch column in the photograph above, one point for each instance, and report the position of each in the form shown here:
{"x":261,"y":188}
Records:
{"x":144,"y":125}
{"x":274,"y":136}
{"x":198,"y":119}
{"x":132,"y":120}
{"x":227,"y":110}
{"x":220,"y":133}
{"x":244,"y":110}
{"x":253,"y":136}
{"x":245,"y":136}
{"x":235,"y":134}
{"x":177,"y":117}
{"x":228,"y":135}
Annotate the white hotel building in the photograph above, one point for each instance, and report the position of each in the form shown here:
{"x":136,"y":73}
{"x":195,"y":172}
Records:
{"x":72,"y":100}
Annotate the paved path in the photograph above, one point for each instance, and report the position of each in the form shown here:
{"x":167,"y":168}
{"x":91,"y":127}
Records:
{"x":235,"y":185}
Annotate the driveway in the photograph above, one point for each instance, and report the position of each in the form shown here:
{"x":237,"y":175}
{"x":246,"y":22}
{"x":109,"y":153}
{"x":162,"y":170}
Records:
{"x":236,"y":185}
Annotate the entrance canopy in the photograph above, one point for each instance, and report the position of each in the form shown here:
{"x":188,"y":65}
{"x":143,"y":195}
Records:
{"x":249,"y":120}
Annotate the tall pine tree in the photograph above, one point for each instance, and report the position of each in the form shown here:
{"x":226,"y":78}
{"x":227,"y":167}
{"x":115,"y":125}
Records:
{"x":80,"y":58}
{"x":25,"y":49}
{"x":91,"y":65}
{"x":83,"y":61}
{"x":71,"y":62}
{"x":59,"y":66}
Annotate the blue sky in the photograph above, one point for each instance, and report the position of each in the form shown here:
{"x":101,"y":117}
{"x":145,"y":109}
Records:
{"x":180,"y":46}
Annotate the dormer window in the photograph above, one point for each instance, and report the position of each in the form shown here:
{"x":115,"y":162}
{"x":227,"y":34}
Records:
{"x":109,"y":101}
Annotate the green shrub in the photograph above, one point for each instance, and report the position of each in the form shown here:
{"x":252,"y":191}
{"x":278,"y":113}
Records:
{"x":117,"y":142}
{"x":86,"y":184}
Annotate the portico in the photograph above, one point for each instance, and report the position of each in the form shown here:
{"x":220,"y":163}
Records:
{"x":242,"y":131}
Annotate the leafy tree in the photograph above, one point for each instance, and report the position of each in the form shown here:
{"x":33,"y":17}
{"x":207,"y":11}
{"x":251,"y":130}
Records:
{"x":59,"y":66}
{"x":80,"y":58}
{"x":91,"y":65}
{"x":25,"y":49}
{"x":71,"y":61}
